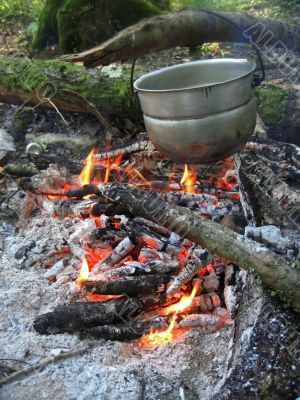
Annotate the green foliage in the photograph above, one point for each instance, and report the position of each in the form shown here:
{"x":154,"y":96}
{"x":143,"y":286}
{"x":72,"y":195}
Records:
{"x":20,"y":9}
{"x":272,"y":104}
{"x":266,"y":7}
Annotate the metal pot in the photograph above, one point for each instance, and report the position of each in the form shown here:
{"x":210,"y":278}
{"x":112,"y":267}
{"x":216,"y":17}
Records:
{"x":200,"y":111}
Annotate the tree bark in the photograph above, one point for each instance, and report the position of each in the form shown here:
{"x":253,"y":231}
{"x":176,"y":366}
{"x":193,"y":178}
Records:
{"x":272,"y":269}
{"x":189,"y":27}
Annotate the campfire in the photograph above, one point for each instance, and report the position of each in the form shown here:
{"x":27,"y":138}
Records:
{"x":132,"y":248}
{"x":137,"y":278}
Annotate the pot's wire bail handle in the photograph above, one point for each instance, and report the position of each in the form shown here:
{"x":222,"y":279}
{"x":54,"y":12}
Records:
{"x":257,"y":78}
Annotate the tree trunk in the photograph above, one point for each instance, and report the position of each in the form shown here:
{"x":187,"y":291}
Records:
{"x":189,"y":27}
{"x":76,"y":24}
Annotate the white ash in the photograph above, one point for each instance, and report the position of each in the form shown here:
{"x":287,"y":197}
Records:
{"x":270,"y":234}
{"x":110,"y":369}
{"x":6,"y":143}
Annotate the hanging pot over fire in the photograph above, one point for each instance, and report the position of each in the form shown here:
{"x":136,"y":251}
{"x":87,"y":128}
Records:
{"x":201,"y":111}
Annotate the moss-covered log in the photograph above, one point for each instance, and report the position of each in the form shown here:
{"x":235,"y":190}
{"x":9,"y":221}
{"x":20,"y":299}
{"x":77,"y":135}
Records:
{"x":189,"y":27}
{"x":78,"y":24}
{"x":38,"y":81}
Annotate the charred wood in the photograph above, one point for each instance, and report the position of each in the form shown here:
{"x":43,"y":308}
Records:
{"x":131,"y":285}
{"x":118,"y":253}
{"x":83,"y":191}
{"x":137,"y":268}
{"x":77,"y":316}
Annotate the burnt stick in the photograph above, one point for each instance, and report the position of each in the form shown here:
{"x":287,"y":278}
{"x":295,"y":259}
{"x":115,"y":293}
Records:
{"x":130,"y":285}
{"x":77,"y":316}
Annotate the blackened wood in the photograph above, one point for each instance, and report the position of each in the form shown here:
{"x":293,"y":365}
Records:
{"x":133,"y":330}
{"x":131,"y":285}
{"x":117,"y":255}
{"x":109,"y":209}
{"x":83,"y":191}
{"x":273,"y":270}
{"x":274,"y":198}
{"x":77,"y":316}
{"x":137,"y":268}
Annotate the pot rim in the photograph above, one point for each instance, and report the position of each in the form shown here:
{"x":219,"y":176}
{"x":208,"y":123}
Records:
{"x":251,"y":64}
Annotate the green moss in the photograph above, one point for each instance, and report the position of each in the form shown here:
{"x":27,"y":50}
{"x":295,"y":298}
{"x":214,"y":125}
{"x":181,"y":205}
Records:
{"x":272,"y":104}
{"x":47,"y":26}
{"x":79,"y":24}
{"x":111,"y":94}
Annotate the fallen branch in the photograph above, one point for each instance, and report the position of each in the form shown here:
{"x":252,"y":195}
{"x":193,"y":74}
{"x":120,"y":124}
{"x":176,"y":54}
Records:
{"x":272,"y":269}
{"x":91,"y":109}
{"x":142,"y":145}
{"x":189,"y":27}
{"x":34,"y":368}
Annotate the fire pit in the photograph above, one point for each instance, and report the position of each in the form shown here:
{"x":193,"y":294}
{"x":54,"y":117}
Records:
{"x":124,"y":300}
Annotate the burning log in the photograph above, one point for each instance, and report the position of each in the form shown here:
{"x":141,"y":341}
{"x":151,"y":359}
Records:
{"x":77,"y":316}
{"x":203,"y":321}
{"x":142,"y":145}
{"x":152,"y":225}
{"x":133,"y":330}
{"x":109,"y":209}
{"x":137,"y":268}
{"x":65,"y":208}
{"x":188,"y":271}
{"x":287,"y":245}
{"x":184,"y":198}
{"x":83,"y":191}
{"x":118,"y":253}
{"x":272,"y":269}
{"x":130,"y":285}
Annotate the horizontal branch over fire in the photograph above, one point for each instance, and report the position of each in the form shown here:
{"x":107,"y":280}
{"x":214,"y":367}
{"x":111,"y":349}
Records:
{"x":272,"y":269}
{"x":189,"y":27}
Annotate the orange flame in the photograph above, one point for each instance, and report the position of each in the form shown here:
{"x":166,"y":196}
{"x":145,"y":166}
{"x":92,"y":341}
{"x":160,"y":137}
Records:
{"x":84,"y":272}
{"x":183,"y":303}
{"x":159,"y":337}
{"x":85,"y":176}
{"x":188,"y":179}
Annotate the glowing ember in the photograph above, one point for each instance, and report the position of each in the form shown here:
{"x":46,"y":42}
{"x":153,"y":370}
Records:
{"x":84,"y":272}
{"x":107,"y":171}
{"x":184,"y":302}
{"x":188,"y":179}
{"x":56,"y":197}
{"x":102,"y":297}
{"x":85,"y":176}
{"x":159,"y":337}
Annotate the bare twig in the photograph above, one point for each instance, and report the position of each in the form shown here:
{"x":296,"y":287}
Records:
{"x":28,"y":370}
